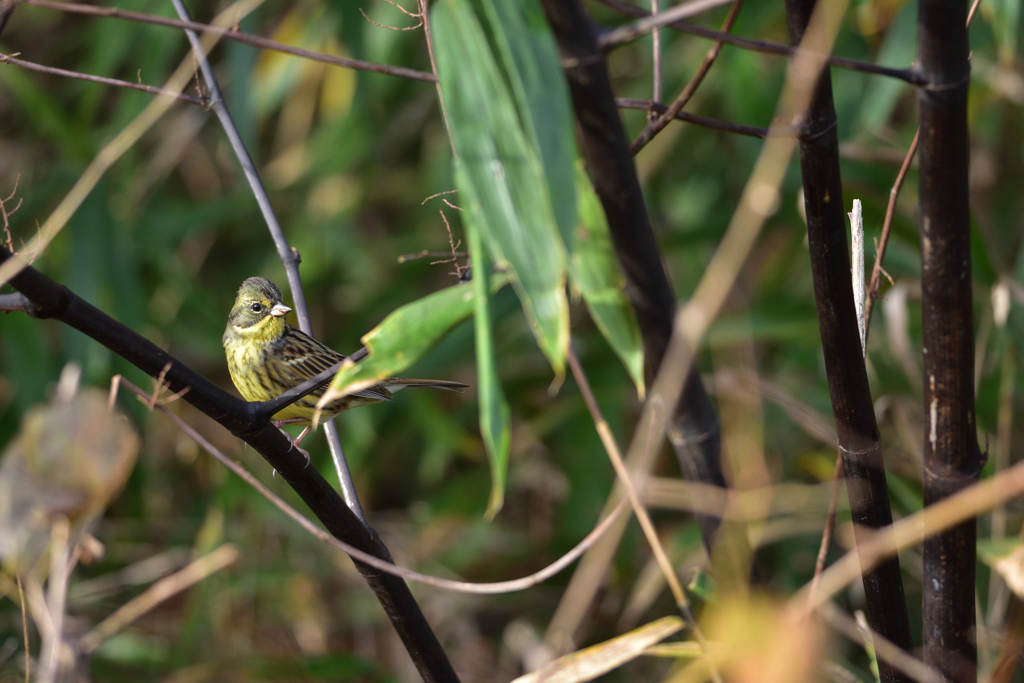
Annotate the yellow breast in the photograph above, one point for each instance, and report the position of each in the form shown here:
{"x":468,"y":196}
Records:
{"x":246,"y":365}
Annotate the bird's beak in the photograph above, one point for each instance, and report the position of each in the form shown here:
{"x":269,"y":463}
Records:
{"x":279,"y":310}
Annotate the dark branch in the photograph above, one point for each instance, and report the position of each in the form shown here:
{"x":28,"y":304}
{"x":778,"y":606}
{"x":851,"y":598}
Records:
{"x":16,"y":302}
{"x":51,"y":300}
{"x":6,"y":10}
{"x":695,"y":431}
{"x":952,"y":459}
{"x":857,"y":432}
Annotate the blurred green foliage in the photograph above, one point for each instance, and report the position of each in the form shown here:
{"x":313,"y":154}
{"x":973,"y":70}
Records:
{"x":353,"y":162}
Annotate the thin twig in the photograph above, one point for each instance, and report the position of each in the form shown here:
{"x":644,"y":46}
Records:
{"x":288,"y":254}
{"x":971,"y":12}
{"x":403,"y":10}
{"x":622,"y":473}
{"x":656,"y":62}
{"x":231,"y":34}
{"x":892,"y":653}
{"x":890,"y":210}
{"x":494,"y":588}
{"x":705,"y":121}
{"x":428,"y":37}
{"x":883,"y":241}
{"x":62,"y":561}
{"x":657,"y":124}
{"x":767,"y":47}
{"x":24,"y":627}
{"x":970,"y":502}
{"x":393,"y":28}
{"x":830,"y":524}
{"x":152,"y":90}
{"x":460,"y":271}
{"x":630,"y":32}
{"x":6,"y":213}
{"x":439,"y":194}
{"x":426,"y":253}
{"x":160,"y":386}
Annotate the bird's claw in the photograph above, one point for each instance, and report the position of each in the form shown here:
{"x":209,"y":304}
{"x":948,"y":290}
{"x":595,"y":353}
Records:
{"x":304,"y":452}
{"x":296,"y":440}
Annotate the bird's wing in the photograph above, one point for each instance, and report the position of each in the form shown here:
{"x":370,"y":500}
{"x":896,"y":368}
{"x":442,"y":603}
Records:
{"x":303,"y":357}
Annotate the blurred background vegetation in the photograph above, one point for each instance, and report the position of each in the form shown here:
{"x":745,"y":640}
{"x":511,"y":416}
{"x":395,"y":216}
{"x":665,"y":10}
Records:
{"x":350,"y":159}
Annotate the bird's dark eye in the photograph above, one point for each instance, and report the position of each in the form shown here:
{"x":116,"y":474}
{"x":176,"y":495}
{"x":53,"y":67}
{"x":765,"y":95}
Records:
{"x":256,"y":308}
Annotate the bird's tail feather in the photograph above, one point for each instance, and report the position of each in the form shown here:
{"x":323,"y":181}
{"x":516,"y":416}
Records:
{"x":395,"y":383}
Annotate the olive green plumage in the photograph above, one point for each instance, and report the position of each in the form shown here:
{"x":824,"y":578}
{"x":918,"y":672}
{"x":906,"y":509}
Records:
{"x":267,"y":356}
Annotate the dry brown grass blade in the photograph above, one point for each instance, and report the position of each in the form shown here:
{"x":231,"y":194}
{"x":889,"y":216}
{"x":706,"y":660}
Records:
{"x":910,"y":531}
{"x":597,"y":660}
{"x":160,"y":591}
{"x":624,"y":478}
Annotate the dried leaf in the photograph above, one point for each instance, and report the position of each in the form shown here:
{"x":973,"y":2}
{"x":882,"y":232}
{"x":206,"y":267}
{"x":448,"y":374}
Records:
{"x":592,"y":662}
{"x":69,"y":460}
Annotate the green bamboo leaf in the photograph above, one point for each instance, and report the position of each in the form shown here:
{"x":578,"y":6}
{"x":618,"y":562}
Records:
{"x":530,"y":59}
{"x":403,"y":337}
{"x":495,"y":420}
{"x":503,"y":185}
{"x":595,"y":272}
{"x":410,"y":331}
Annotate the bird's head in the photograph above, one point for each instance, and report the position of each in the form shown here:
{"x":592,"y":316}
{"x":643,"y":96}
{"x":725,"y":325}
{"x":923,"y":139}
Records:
{"x":258,"y":312}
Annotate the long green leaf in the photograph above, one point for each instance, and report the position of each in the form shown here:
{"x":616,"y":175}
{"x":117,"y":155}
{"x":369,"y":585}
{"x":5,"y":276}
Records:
{"x":495,"y":419}
{"x":403,"y":337}
{"x":530,"y":59}
{"x":503,"y":185}
{"x":595,"y":272}
{"x":409,"y":332}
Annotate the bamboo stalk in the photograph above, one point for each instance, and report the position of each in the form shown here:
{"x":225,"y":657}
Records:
{"x":856,"y":429}
{"x":952,"y":458}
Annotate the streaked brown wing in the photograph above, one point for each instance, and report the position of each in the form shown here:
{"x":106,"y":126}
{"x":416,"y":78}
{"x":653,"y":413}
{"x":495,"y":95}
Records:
{"x":301,"y":357}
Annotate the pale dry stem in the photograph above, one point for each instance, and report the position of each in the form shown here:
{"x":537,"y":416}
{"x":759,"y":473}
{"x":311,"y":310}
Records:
{"x":159,"y":592}
{"x":445,"y":584}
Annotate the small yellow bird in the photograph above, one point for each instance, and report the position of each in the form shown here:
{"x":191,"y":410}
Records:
{"x":267,"y":356}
